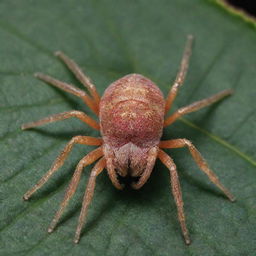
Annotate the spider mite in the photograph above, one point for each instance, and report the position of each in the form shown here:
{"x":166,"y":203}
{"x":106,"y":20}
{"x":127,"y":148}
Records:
{"x":131,"y":120}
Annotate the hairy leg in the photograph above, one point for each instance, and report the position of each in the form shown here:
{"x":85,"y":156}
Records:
{"x":70,"y":89}
{"x":179,"y":143}
{"x":79,"y":75}
{"x":88,"y":159}
{"x":61,"y":158}
{"x":97,"y":169}
{"x":152,"y":155}
{"x":181,"y":74}
{"x":196,"y":106}
{"x":176,"y":191}
{"x":61,"y":116}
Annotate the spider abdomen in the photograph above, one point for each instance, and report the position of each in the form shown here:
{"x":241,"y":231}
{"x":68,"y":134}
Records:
{"x":132,"y":110}
{"x":131,"y":120}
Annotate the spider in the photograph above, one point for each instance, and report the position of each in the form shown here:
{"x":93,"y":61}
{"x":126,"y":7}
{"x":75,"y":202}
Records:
{"x":131,"y":121}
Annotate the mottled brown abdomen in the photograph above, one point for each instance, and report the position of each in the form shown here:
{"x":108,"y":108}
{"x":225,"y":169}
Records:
{"x":132,"y":110}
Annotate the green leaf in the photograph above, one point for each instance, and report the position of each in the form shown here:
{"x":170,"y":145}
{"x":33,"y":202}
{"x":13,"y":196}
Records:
{"x":110,"y":39}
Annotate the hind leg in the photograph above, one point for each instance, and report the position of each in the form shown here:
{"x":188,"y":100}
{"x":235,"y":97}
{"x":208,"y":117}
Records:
{"x":79,"y":75}
{"x":196,"y":106}
{"x":181,"y":74}
{"x":94,"y":106}
{"x":62,"y":116}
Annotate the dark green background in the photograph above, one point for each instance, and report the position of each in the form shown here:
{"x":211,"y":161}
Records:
{"x":110,"y":39}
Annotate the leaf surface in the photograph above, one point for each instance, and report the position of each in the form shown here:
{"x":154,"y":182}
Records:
{"x":110,"y":39}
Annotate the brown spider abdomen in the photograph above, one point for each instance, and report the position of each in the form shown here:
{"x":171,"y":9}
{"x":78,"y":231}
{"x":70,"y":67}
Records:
{"x":131,"y":120}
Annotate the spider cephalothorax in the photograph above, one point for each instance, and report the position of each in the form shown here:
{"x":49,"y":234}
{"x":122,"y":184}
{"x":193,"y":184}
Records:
{"x":131,"y":120}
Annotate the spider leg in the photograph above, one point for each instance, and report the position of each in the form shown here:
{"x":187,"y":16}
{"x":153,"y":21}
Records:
{"x":176,"y":191}
{"x":79,"y":75}
{"x":61,"y":158}
{"x":152,"y":155}
{"x":94,"y":106}
{"x":97,"y":169}
{"x":61,"y":116}
{"x":196,"y":106}
{"x":88,"y":159}
{"x":181,"y":74}
{"x":179,"y":143}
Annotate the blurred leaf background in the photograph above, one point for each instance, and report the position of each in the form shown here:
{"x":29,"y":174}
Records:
{"x":110,"y":39}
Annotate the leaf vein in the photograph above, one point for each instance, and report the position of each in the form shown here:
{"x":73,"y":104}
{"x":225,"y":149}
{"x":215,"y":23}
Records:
{"x":220,"y":141}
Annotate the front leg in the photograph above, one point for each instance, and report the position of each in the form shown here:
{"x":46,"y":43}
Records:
{"x":85,"y":140}
{"x":88,"y":159}
{"x":180,"y":143}
{"x":97,"y":169}
{"x":176,"y":191}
